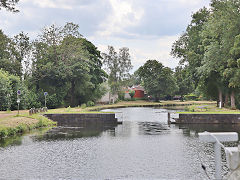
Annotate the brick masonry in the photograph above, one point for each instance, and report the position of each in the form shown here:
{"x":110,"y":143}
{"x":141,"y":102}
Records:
{"x":84,"y":120}
{"x":208,"y":119}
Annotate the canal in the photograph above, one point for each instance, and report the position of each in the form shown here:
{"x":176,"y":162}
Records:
{"x":143,"y":147}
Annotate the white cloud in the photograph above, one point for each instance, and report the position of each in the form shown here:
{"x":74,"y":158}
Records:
{"x":58,"y":4}
{"x":124,"y":14}
{"x":148,"y":28}
{"x":143,"y":49}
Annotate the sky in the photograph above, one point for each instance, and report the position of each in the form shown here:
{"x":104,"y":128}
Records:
{"x":147,"y":27}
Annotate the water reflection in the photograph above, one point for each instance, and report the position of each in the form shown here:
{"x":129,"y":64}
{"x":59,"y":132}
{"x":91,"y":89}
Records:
{"x":152,"y":128}
{"x":143,"y":147}
{"x":65,"y":133}
{"x":16,"y":140}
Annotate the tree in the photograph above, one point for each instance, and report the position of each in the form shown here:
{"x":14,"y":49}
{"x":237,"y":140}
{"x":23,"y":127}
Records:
{"x":219,"y":36}
{"x":189,"y":45}
{"x":21,"y":48}
{"x":9,"y":5}
{"x":10,"y":59}
{"x":157,"y":80}
{"x":183,"y":80}
{"x":118,"y":66}
{"x":205,"y":48}
{"x":67,"y":66}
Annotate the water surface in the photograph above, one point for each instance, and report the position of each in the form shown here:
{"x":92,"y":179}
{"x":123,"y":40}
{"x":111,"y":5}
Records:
{"x":143,"y":147}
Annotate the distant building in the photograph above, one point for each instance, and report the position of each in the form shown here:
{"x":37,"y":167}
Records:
{"x":139,"y":92}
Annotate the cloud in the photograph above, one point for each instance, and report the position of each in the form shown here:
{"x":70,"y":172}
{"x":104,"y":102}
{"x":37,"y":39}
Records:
{"x":147,"y":27}
{"x":143,"y":49}
{"x":124,"y":14}
{"x":59,"y":4}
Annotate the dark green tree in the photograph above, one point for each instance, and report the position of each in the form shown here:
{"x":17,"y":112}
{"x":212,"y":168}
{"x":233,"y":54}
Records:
{"x":157,"y":80}
{"x":184,"y":81}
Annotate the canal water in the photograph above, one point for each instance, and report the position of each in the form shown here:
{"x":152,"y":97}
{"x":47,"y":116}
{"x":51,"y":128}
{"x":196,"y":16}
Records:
{"x":144,"y":146}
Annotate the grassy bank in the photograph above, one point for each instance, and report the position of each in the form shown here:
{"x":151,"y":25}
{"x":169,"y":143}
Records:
{"x":124,"y":104}
{"x":208,"y":109}
{"x":12,"y":124}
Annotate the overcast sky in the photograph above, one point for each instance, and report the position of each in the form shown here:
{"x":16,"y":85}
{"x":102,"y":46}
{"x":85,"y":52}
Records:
{"x":147,"y":27}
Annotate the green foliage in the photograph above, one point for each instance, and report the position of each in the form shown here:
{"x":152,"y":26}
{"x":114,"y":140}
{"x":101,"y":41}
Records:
{"x":67,"y":66}
{"x":190,"y":97}
{"x":83,"y":106}
{"x":184,"y":81}
{"x":209,"y":50}
{"x":90,"y":103}
{"x":131,"y":93}
{"x":157,"y":80}
{"x":9,"y":84}
{"x":121,"y":95}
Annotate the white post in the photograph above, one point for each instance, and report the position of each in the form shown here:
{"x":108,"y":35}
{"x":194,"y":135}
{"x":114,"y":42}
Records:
{"x":220,"y":104}
{"x":216,"y":138}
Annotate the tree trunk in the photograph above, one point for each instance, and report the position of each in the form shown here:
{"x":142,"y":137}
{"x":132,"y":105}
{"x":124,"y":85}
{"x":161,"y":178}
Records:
{"x":72,"y":94}
{"x":233,"y":105}
{"x":226,"y":100}
{"x":220,"y":98}
{"x":181,"y":98}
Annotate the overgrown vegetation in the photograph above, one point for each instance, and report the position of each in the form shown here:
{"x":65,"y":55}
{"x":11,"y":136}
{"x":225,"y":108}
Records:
{"x":12,"y":130}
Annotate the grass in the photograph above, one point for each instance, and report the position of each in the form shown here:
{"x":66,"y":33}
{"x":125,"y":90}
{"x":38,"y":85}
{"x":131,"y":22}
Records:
{"x":19,"y":124}
{"x":208,"y":109}
{"x":123,"y":104}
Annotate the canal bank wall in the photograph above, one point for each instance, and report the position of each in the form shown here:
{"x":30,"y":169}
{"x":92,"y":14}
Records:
{"x":84,"y":120}
{"x":208,"y":119}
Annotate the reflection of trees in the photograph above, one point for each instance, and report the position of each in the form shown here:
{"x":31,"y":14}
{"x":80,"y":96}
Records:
{"x":15,"y":140}
{"x":64,"y":133}
{"x":152,"y":128}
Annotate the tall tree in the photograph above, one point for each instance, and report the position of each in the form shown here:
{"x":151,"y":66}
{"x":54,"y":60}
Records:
{"x":118,"y":66}
{"x":67,"y":66}
{"x":157,"y":80}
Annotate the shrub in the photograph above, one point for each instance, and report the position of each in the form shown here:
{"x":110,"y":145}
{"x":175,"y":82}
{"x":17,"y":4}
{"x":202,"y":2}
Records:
{"x":190,"y":97}
{"x":90,"y":103}
{"x":131,"y":93}
{"x":3,"y":132}
{"x":83,"y":106}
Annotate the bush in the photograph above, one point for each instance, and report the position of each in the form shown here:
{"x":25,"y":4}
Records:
{"x":190,"y":97}
{"x":131,"y":93}
{"x":90,"y":103}
{"x":3,"y":132}
{"x":83,"y":106}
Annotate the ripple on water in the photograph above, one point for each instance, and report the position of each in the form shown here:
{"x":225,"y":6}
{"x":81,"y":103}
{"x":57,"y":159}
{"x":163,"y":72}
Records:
{"x":143,"y":147}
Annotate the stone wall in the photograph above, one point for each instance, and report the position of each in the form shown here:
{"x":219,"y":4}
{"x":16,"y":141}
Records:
{"x":84,"y":120}
{"x":208,"y":119}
